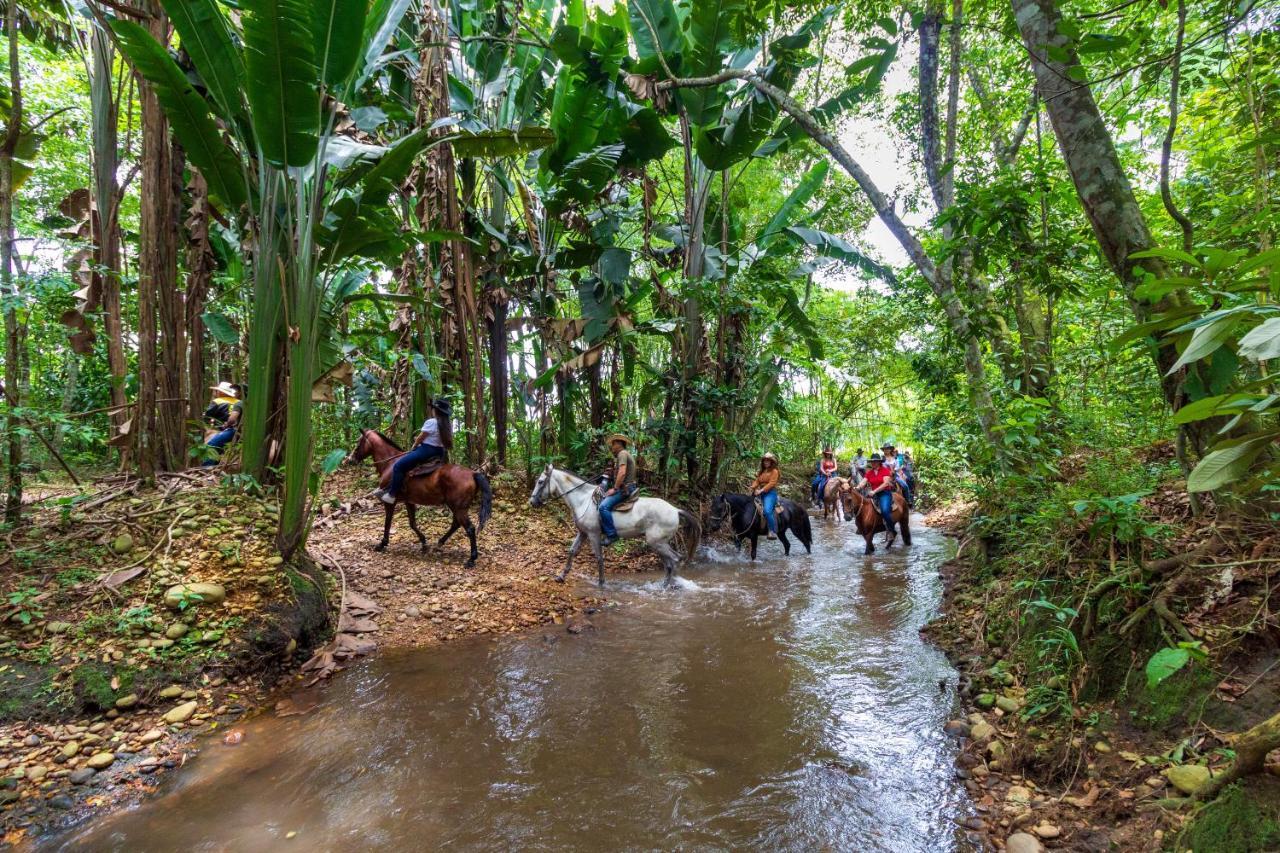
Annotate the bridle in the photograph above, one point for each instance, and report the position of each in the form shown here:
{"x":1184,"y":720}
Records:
{"x":755,"y":516}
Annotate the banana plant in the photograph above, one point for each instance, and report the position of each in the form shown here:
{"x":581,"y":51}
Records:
{"x":309,"y":200}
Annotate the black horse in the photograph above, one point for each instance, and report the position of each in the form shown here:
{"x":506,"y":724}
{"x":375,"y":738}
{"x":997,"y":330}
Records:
{"x":739,"y":511}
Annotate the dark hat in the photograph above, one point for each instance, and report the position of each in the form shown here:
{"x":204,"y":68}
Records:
{"x":888,"y":445}
{"x":876,"y":457}
{"x":441,"y":405}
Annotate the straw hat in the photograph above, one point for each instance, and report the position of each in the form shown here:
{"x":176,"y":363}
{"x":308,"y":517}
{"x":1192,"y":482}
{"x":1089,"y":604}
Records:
{"x":617,"y":436}
{"x":770,"y":457}
{"x":226,"y":389}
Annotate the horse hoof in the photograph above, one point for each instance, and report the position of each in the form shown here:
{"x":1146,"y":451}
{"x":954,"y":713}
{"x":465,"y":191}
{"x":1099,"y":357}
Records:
{"x":380,"y":548}
{"x":559,"y":578}
{"x":469,"y":564}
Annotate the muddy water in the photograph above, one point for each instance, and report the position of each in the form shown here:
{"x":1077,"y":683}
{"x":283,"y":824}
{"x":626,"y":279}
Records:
{"x":786,"y":705}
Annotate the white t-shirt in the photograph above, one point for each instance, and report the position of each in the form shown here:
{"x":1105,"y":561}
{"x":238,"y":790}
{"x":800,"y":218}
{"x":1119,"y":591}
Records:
{"x":432,"y":428}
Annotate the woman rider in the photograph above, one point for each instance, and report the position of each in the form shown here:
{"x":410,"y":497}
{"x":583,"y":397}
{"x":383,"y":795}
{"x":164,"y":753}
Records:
{"x":765,"y":487}
{"x":433,"y":439}
{"x":880,"y":478}
{"x":894,"y":464}
{"x":825,"y":468}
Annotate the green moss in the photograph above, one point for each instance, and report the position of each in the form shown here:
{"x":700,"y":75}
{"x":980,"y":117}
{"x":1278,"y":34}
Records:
{"x":1174,"y":703}
{"x":91,"y":683}
{"x":299,"y":583}
{"x":1240,"y":820}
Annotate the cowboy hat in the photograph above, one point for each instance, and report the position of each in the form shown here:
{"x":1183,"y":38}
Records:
{"x":770,"y":457}
{"x":888,"y":445}
{"x":876,"y":457}
{"x":617,"y":436}
{"x":441,"y":405}
{"x":226,"y":389}
{"x":827,"y":449}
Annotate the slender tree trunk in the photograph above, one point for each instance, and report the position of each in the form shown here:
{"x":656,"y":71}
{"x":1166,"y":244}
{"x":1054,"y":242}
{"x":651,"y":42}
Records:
{"x":499,"y":384}
{"x":1091,"y":159}
{"x":200,"y":266}
{"x":8,"y":285}
{"x":171,"y":312}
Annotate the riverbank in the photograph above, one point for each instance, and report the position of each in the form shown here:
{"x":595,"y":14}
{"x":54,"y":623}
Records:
{"x":138,"y":620}
{"x":1072,"y":738}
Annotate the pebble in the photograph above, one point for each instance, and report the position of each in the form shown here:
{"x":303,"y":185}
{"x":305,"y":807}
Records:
{"x":983,"y":731}
{"x":171,"y":692}
{"x":125,"y":702}
{"x":101,"y":760}
{"x":36,"y":773}
{"x":1047,"y":830}
{"x":1102,"y":746}
{"x":957,"y":728}
{"x":181,"y":713}
{"x":31,"y":740}
{"x":1008,"y":704}
{"x":176,"y":631}
{"x":1018,"y":794}
{"x":204,"y":593}
{"x":151,"y":736}
{"x":1187,"y":778}
{"x":82,"y":776}
{"x":1021,"y":842}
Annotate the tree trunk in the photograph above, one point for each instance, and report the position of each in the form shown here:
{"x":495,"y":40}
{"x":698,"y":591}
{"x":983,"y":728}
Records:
{"x":105,"y":215}
{"x":1091,"y":159}
{"x":200,"y":266}
{"x":172,"y":361}
{"x":8,"y":286}
{"x":498,"y":382}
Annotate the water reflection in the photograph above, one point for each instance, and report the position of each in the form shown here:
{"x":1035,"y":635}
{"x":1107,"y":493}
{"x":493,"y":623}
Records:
{"x":788,"y":704}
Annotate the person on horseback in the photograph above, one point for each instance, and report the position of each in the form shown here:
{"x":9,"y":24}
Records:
{"x":765,"y":487}
{"x":435,"y":437}
{"x":623,"y":480}
{"x":894,"y":464}
{"x":825,"y":468}
{"x":858,"y":466}
{"x":879,"y":478}
{"x":224,"y":412}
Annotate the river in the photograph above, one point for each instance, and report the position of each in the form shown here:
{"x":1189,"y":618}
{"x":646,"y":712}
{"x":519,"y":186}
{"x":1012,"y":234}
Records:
{"x":788,"y":704}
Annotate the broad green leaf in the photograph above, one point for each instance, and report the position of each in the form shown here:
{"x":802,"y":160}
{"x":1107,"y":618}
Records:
{"x":1205,"y":340}
{"x":1168,"y":255}
{"x":1271,"y":257}
{"x":1165,"y":663}
{"x":501,"y":142}
{"x":793,"y":204}
{"x":711,"y":28}
{"x":206,"y":37}
{"x":332,"y":461}
{"x":1262,"y":343}
{"x":282,"y":80}
{"x":1207,"y":407}
{"x":380,"y":26}
{"x":187,"y":112}
{"x":339,"y":30}
{"x":1226,"y":464}
{"x":831,"y":246}
{"x":220,"y":327}
{"x":655,"y":30}
{"x":615,"y":265}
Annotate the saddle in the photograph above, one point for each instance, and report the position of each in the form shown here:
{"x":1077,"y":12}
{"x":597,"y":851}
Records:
{"x":777,"y":510}
{"x":629,"y":503}
{"x":428,"y":467}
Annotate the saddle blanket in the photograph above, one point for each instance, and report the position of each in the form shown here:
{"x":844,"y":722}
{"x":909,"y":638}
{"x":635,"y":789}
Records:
{"x":629,"y":503}
{"x":427,"y":468}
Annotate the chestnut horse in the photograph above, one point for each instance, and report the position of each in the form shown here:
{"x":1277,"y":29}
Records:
{"x":870,"y":523}
{"x":834,"y":498}
{"x":451,"y":485}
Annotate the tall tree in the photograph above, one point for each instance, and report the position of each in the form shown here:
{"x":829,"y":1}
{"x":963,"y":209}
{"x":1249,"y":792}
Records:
{"x":8,"y":283}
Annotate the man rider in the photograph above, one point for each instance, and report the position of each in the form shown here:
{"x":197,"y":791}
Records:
{"x":624,"y":485}
{"x":435,"y":437}
{"x":894,"y":464}
{"x":879,"y":478}
{"x":858,"y":466}
{"x":224,"y":411}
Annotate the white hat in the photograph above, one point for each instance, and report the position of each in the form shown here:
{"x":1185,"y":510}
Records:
{"x":226,"y":389}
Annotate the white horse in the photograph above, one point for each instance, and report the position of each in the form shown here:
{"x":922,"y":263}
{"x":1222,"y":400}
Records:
{"x":652,"y":518}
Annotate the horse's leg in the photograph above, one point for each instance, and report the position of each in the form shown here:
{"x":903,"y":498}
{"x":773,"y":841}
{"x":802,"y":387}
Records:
{"x":906,"y":529}
{"x":471,"y":537}
{"x":754,"y":537}
{"x":574,"y":548}
{"x":597,"y":548}
{"x":868,"y":536}
{"x":445,"y":538}
{"x":412,"y":509}
{"x":786,"y":544}
{"x":386,"y":529}
{"x":670,"y":559}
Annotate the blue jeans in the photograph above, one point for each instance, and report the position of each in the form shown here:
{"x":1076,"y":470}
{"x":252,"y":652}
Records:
{"x":819,"y":484}
{"x":884,"y":502}
{"x":906,"y":489}
{"x":606,"y":511}
{"x":218,"y":441}
{"x":421,"y":454}
{"x":769,"y":500}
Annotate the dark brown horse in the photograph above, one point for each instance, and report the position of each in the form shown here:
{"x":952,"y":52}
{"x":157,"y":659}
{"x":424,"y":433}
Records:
{"x":450,"y":485}
{"x":869,"y":522}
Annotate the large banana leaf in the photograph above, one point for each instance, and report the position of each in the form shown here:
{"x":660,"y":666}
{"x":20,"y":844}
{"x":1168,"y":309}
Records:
{"x":585,"y":176}
{"x":339,"y":31}
{"x":713,"y":25}
{"x":380,"y":26}
{"x":187,"y":112}
{"x":831,"y":246}
{"x":206,"y":37}
{"x":655,"y":29}
{"x":794,"y":202}
{"x":282,"y":80}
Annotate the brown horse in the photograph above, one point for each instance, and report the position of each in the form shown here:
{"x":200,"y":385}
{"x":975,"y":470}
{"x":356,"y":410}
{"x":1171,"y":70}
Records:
{"x":450,"y":485}
{"x":870,"y":523}
{"x":835,"y":500}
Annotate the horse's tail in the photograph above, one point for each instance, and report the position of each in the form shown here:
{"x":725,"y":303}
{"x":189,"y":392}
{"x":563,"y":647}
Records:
{"x":486,"y":498}
{"x":691,"y":532}
{"x":804,"y":532}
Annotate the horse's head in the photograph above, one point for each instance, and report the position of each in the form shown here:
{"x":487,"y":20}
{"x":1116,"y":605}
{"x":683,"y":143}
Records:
{"x":541,"y":488}
{"x":720,"y":510}
{"x":361,"y":450}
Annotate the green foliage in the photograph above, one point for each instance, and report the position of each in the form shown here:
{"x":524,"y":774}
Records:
{"x":1168,"y":661}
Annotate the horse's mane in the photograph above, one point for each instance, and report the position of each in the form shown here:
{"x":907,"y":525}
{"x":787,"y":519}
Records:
{"x":385,"y":438}
{"x":735,"y":500}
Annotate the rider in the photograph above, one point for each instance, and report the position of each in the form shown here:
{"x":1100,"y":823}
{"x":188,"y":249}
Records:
{"x":224,"y":411}
{"x":624,"y":485}
{"x":879,"y":478}
{"x":907,"y":470}
{"x":765,"y":487}
{"x":894,"y":464}
{"x":859,"y":466}
{"x":435,"y":437}
{"x":825,"y":468}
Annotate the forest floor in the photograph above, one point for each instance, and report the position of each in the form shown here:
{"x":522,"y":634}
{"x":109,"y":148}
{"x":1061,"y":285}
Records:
{"x":140,"y":625}
{"x":1112,"y":771}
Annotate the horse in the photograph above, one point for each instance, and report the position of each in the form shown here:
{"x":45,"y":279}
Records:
{"x":451,"y":485}
{"x":832,"y":498}
{"x":869,"y":522}
{"x":654,"y":519}
{"x":745,"y":521}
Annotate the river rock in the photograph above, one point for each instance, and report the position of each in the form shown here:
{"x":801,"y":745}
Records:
{"x":62,"y":802}
{"x":1018,"y":794}
{"x":100,"y":760}
{"x":71,"y":749}
{"x":82,"y":775}
{"x":1008,"y":704}
{"x":122,"y":544}
{"x":181,"y":713}
{"x":58,"y":627}
{"x":37,"y":772}
{"x":204,"y":593}
{"x":126,"y":702}
{"x":151,"y":736}
{"x":176,"y":631}
{"x":982,"y":731}
{"x":1047,"y":830}
{"x":31,"y":740}
{"x":173,"y":691}
{"x":956,"y":728}
{"x":1187,"y":778}
{"x":985,"y":700}
{"x":1022,"y":842}
{"x":1102,"y":747}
